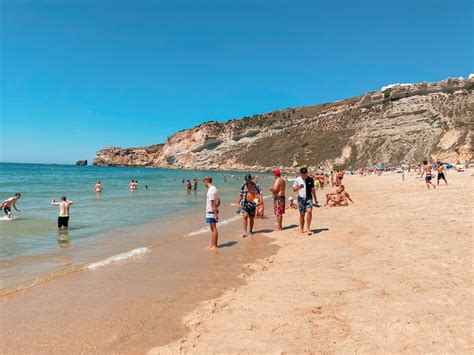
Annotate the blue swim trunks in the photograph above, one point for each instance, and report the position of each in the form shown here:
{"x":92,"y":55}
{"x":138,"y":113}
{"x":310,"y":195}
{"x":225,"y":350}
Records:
{"x":212,"y":217}
{"x":304,"y":204}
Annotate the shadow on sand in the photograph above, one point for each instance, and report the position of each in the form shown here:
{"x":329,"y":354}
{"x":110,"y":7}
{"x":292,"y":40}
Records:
{"x":228,"y":244}
{"x":319,"y":230}
{"x":263,"y":231}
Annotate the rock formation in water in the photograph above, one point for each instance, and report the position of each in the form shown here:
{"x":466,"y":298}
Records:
{"x":401,"y":123}
{"x":81,"y":162}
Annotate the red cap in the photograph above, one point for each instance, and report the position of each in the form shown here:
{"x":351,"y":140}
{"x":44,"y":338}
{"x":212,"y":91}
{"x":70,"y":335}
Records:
{"x":277,"y":172}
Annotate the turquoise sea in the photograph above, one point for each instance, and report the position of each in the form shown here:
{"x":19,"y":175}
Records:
{"x":101,"y":225}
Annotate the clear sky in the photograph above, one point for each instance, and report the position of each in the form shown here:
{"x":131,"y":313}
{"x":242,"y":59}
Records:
{"x":77,"y":76}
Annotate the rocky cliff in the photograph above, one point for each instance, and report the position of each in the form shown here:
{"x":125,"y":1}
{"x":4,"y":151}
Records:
{"x":401,"y":123}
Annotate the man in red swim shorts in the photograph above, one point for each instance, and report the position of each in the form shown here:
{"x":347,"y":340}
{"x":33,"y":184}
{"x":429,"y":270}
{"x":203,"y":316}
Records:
{"x":279,"y":199}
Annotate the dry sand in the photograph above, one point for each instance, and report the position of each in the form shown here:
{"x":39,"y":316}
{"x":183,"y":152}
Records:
{"x":392,"y":273}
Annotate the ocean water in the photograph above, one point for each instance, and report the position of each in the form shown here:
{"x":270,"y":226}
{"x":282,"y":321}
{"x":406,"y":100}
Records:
{"x":117,"y":221}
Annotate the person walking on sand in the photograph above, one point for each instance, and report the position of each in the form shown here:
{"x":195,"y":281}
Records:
{"x":9,"y":203}
{"x":426,"y":170}
{"x":304,"y":185}
{"x":279,"y":199}
{"x":64,"y":206}
{"x":212,"y":210}
{"x":248,"y":199}
{"x":441,"y":172}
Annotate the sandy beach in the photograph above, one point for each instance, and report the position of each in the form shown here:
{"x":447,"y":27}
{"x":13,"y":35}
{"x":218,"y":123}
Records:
{"x":390,"y":274}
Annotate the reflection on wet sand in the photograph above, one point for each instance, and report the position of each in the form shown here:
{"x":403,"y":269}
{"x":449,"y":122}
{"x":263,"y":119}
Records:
{"x":63,"y":238}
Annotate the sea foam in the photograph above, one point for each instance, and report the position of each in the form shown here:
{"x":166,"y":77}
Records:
{"x":206,"y":229}
{"x":118,"y":257}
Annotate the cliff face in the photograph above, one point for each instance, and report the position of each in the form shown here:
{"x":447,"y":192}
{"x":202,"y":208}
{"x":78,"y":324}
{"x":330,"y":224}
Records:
{"x":402,"y":123}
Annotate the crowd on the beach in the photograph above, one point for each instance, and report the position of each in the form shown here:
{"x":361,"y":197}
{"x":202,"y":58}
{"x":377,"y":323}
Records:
{"x":250,"y":199}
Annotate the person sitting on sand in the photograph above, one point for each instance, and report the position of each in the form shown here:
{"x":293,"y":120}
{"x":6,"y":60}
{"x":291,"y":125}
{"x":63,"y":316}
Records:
{"x":8,"y":203}
{"x":98,"y":187}
{"x":338,"y":198}
{"x":291,"y":200}
{"x":441,"y":172}
{"x":249,"y":197}
{"x":64,"y":206}
{"x":426,"y":170}
{"x":212,"y":210}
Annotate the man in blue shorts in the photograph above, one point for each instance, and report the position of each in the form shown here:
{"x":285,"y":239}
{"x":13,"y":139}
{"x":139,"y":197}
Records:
{"x":304,"y":184}
{"x":212,"y":213}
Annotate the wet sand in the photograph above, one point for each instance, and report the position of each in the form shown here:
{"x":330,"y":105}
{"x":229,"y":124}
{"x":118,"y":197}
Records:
{"x":391,"y":274}
{"x":130,"y":306}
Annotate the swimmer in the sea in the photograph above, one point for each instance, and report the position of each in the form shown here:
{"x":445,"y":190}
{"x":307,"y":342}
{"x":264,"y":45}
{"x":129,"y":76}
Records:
{"x":98,"y":187}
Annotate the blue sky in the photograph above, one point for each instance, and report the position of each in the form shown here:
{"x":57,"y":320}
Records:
{"x":77,"y":76}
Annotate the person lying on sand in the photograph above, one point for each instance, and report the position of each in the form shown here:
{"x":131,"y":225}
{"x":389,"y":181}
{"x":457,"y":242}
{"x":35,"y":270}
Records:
{"x":338,"y":198}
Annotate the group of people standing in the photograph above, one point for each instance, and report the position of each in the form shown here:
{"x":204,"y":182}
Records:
{"x":427,"y":172}
{"x":250,"y":202}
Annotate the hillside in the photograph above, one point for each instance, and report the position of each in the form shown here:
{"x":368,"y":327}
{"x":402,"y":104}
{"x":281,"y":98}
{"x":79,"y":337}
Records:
{"x":402,"y":123}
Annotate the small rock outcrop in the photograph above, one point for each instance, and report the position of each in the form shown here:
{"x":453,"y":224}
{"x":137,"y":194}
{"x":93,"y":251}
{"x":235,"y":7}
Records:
{"x":401,"y":123}
{"x":81,"y":162}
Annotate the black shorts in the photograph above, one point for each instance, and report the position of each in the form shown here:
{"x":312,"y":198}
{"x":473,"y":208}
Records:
{"x":7,"y":210}
{"x":441,"y":176}
{"x":249,"y":208}
{"x":63,"y":222}
{"x":428,"y":178}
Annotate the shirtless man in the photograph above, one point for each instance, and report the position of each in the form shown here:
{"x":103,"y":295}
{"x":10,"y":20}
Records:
{"x":426,"y":170}
{"x":131,"y":186}
{"x":8,"y":203}
{"x":441,"y":172}
{"x":98,"y":187}
{"x":339,"y":177}
{"x":338,"y":198}
{"x":279,"y":199}
{"x":64,"y":205}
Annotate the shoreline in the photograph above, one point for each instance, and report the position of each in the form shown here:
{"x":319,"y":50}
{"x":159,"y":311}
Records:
{"x":62,"y":252}
{"x":360,"y":284}
{"x":137,"y":294}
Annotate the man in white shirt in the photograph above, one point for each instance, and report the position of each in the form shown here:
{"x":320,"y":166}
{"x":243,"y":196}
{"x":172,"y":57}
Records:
{"x":304,"y":184}
{"x":212,"y":213}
